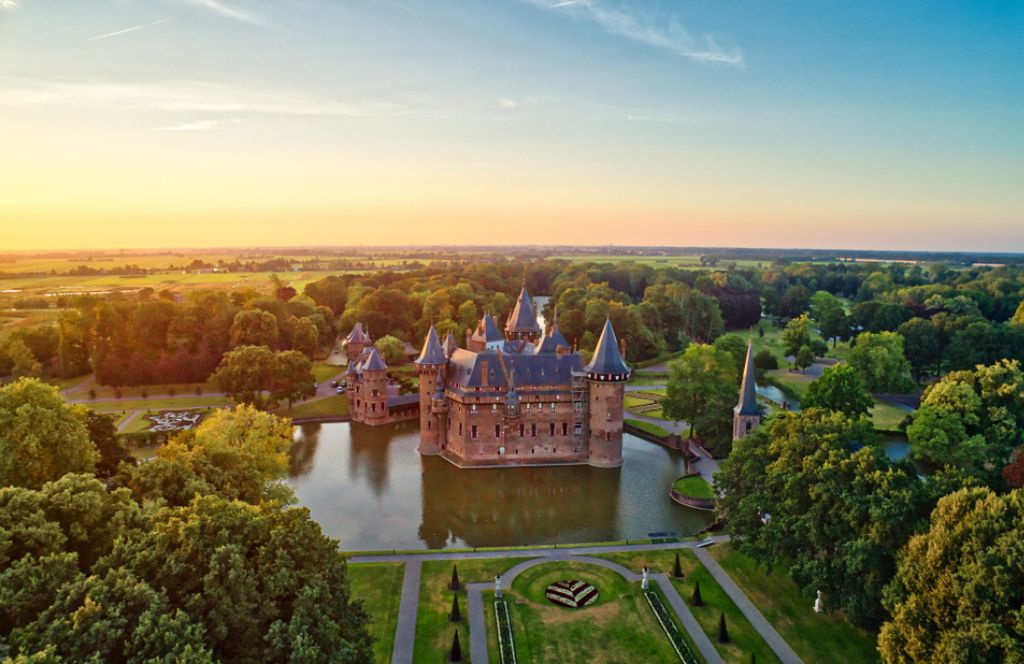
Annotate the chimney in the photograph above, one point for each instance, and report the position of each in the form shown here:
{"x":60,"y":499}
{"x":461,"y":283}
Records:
{"x":622,"y":348}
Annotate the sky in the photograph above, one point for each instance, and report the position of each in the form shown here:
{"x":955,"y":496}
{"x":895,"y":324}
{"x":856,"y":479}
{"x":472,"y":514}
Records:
{"x":840,"y":124}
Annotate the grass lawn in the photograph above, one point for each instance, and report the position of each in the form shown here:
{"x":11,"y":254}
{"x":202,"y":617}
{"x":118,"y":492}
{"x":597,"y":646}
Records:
{"x":179,"y":389}
{"x":173,"y":403}
{"x":694,"y":486}
{"x":618,"y":627}
{"x":379,"y":587}
{"x":323,"y":372}
{"x":887,"y":417}
{"x":633,"y":401}
{"x":815,"y":637}
{"x":433,"y":631}
{"x":135,"y":426}
{"x":744,"y":639}
{"x":336,"y":404}
{"x":793,"y":382}
{"x":652,"y":429}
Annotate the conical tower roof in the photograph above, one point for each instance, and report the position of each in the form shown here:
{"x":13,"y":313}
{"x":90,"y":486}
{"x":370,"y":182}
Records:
{"x":432,"y":352}
{"x":374,"y":362}
{"x":358,"y":335}
{"x":523,"y":318}
{"x":607,"y":360}
{"x":748,"y":393}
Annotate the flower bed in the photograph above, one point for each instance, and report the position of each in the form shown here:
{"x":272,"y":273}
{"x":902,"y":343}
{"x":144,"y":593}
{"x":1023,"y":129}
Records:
{"x":671,"y":630}
{"x":175,"y":420}
{"x":506,"y":646}
{"x":571,"y":593}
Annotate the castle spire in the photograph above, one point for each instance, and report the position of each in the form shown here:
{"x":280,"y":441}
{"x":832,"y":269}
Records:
{"x":432,"y":352}
{"x":607,"y":363}
{"x":522,"y":320}
{"x":748,"y":395}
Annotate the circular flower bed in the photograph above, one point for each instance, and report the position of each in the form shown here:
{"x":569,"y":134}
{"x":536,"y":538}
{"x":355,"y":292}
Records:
{"x":571,"y":593}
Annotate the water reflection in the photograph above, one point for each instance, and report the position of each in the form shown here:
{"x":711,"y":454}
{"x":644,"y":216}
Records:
{"x":369,"y":488}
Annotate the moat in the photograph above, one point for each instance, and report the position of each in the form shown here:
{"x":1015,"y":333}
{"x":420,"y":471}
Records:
{"x":368,"y":487}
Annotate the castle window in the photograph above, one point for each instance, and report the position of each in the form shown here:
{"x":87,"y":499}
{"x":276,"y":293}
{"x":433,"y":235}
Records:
{"x":428,"y":425}
{"x":473,"y":408}
{"x":522,"y":429}
{"x":472,"y":432}
{"x":373,"y":407}
{"x":748,"y":425}
{"x":497,"y":431}
{"x":460,"y":428}
{"x":552,"y":429}
{"x":565,"y":428}
{"x":533,"y":429}
{"x":552,"y":405}
{"x":609,"y":416}
{"x":607,"y":435}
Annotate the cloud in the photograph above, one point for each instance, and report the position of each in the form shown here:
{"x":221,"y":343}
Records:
{"x":8,"y":5}
{"x":673,"y":37}
{"x":201,"y":125}
{"x":127,"y":30}
{"x":227,"y":11}
{"x":507,"y":103}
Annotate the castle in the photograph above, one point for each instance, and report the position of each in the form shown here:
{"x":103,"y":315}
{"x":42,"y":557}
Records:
{"x":519,"y":398}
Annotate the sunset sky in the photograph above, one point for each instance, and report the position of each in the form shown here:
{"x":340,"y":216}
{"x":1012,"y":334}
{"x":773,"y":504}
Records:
{"x":149,"y":123}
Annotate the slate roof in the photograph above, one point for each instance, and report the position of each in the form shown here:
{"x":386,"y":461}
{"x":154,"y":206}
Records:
{"x":432,"y":352}
{"x":403,"y":400}
{"x":449,"y":344}
{"x":374,"y":362}
{"x":488,"y":330}
{"x":358,"y":335}
{"x":607,"y":359}
{"x":523,"y":319}
{"x":531,"y":370}
{"x":748,"y":394}
{"x":554,"y":339}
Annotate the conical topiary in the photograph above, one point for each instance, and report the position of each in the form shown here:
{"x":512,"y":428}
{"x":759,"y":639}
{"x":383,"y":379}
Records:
{"x":697,"y":600}
{"x":454,"y":583}
{"x":677,"y":569}
{"x":753,"y":658}
{"x":723,"y":632}
{"x":456,"y":652}
{"x":455,"y":615}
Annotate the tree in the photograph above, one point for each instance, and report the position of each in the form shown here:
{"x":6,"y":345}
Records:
{"x":803,"y":358}
{"x":796,"y":335}
{"x":811,"y":491}
{"x":392,"y":348}
{"x":879,"y":359}
{"x":972,"y":420}
{"x":764,"y":361}
{"x":103,"y":434}
{"x":294,"y":377}
{"x":828,"y":312}
{"x":1018,"y":316}
{"x":253,"y":327}
{"x":737,"y":348}
{"x":455,"y":654}
{"x":839,"y":388}
{"x":306,"y":337}
{"x":1013,"y":473}
{"x":922,"y":346}
{"x":247,"y":374}
{"x":959,"y":587}
{"x":23,"y":362}
{"x":701,"y":318}
{"x":41,"y":437}
{"x":702,"y":390}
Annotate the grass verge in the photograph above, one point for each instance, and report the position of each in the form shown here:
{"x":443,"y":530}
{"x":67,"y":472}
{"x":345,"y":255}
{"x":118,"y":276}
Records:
{"x":379,"y":587}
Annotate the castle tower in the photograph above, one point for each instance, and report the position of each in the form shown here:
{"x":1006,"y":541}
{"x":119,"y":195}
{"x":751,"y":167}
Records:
{"x":606,"y":376}
{"x":522,"y":324}
{"x":356,"y":341}
{"x":429,"y":364}
{"x":375,"y":388}
{"x":746,"y":415}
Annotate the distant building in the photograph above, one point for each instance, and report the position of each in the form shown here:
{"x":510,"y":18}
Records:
{"x":746,"y":415}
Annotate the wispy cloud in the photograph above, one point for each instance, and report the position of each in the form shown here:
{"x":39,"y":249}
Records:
{"x":127,"y":30}
{"x":672,"y":37}
{"x":201,"y":125}
{"x":227,"y":11}
{"x":8,"y":4}
{"x":507,"y":103}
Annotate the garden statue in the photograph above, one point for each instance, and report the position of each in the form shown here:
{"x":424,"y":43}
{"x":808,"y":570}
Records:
{"x":644,"y":582}
{"x":817,"y":603}
{"x":497,"y":587}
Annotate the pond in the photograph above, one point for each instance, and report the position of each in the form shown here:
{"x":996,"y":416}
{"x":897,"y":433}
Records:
{"x":368,"y":487}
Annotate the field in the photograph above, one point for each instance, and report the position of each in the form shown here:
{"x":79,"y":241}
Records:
{"x":815,"y":637}
{"x":688,"y":262}
{"x":332,"y":406}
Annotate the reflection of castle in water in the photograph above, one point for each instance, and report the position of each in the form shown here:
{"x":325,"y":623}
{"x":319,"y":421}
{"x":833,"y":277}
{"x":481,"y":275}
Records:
{"x":370,"y":455}
{"x":496,"y":507}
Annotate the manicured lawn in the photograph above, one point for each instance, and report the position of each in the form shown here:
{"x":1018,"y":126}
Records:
{"x":379,"y":587}
{"x":105,"y":392}
{"x":336,"y":404}
{"x":323,"y":372}
{"x":433,"y":630}
{"x":815,"y":637}
{"x":794,"y":382}
{"x":744,"y":639}
{"x":887,"y":417}
{"x":694,"y":486}
{"x":140,"y":423}
{"x":178,"y":403}
{"x":618,"y":627}
{"x":633,"y":401}
{"x":652,"y":429}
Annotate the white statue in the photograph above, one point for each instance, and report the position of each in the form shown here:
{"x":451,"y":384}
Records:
{"x":817,"y":603}
{"x":644,"y":584}
{"x":497,"y":587}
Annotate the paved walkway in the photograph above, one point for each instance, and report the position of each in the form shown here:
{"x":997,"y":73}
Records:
{"x":782,"y":650}
{"x":405,"y":632}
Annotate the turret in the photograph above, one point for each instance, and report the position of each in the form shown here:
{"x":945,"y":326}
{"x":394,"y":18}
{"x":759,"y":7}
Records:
{"x":430,"y":365}
{"x":522,"y":323}
{"x":607,"y":374}
{"x":356,"y":341}
{"x":375,"y":387}
{"x":746,"y":416}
